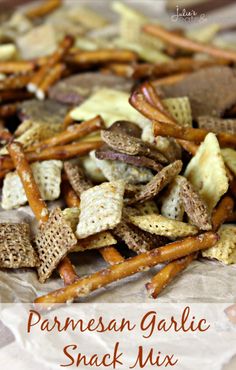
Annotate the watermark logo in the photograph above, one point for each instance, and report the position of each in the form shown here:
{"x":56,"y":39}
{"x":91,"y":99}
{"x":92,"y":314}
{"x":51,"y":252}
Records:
{"x":188,"y":16}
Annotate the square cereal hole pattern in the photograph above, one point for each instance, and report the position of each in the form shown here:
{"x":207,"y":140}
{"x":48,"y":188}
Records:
{"x":54,"y":241}
{"x":15,"y":247}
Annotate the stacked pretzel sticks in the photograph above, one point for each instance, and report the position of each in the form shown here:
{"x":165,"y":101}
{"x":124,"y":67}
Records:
{"x":137,"y":143}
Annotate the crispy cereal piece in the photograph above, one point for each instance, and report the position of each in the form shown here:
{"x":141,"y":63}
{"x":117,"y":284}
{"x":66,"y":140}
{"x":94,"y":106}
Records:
{"x":160,"y":225}
{"x":97,"y":241}
{"x":47,"y":175}
{"x":138,"y":161}
{"x":141,"y":209}
{"x":216,"y":125}
{"x":54,"y":240}
{"x":229,"y":156}
{"x":225,"y":248}
{"x":206,"y":172}
{"x":15,"y":247}
{"x":180,"y":109}
{"x":172,"y":206}
{"x":71,"y":215}
{"x":115,"y":170}
{"x":136,"y":239}
{"x":76,"y":177}
{"x":194,"y":206}
{"x":101,"y":208}
{"x":159,"y":181}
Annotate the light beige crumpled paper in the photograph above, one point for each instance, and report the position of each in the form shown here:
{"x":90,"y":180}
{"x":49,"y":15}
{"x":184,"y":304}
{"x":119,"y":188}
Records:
{"x":203,"y":281}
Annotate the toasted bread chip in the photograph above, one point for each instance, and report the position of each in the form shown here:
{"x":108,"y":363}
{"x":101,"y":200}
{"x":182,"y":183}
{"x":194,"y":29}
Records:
{"x":180,"y":109}
{"x":194,"y":206}
{"x":131,"y":145}
{"x":15,"y":248}
{"x":172,"y":206}
{"x":206,"y":172}
{"x":47,"y":175}
{"x":225,"y":249}
{"x":101,"y":208}
{"x":159,"y":181}
{"x":229,"y":156}
{"x":216,"y":125}
{"x":54,"y":241}
{"x":137,"y":239}
{"x":76,"y":177}
{"x":100,"y":240}
{"x":71,"y":215}
{"x":112,"y":105}
{"x":115,"y":170}
{"x":141,"y":209}
{"x":138,"y":161}
{"x":160,"y":225}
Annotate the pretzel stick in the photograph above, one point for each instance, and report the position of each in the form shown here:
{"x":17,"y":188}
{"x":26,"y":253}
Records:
{"x":189,"y":146}
{"x":222,"y":212}
{"x":187,"y":44}
{"x":167,"y":274}
{"x":92,"y":57}
{"x":138,"y":101}
{"x":53,"y":59}
{"x":56,"y":152}
{"x":232,"y":217}
{"x":16,"y":67}
{"x":33,"y":195}
{"x":50,"y":79}
{"x":233,"y":188}
{"x":24,"y":171}
{"x":73,"y":133}
{"x":170,"y":80}
{"x":14,"y":95}
{"x":68,"y":120}
{"x":8,"y":110}
{"x":110,"y":254}
{"x":120,"y":69}
{"x":143,"y":261}
{"x":171,"y":270}
{"x":16,"y":81}
{"x":191,"y":134}
{"x":43,"y":9}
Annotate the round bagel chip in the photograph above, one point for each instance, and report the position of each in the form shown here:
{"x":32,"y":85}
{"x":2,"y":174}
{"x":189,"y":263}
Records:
{"x":206,"y":172}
